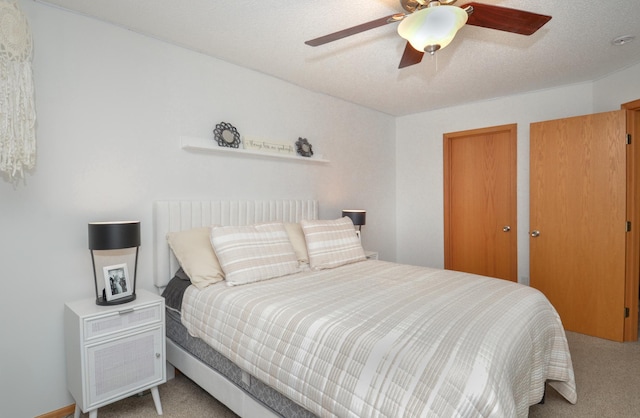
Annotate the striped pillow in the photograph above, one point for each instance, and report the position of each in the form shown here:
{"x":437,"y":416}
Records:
{"x":332,"y":243}
{"x":253,"y":253}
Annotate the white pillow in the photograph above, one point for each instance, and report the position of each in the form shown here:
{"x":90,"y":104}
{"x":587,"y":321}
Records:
{"x":332,"y":243}
{"x":253,"y":253}
{"x":296,"y":236}
{"x":195,"y":255}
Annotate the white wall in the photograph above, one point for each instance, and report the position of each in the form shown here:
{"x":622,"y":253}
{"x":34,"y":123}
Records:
{"x":111,"y":107}
{"x":620,"y":87}
{"x":419,"y":154}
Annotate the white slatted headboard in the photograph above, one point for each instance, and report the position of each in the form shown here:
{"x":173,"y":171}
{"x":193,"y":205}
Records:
{"x":180,"y":215}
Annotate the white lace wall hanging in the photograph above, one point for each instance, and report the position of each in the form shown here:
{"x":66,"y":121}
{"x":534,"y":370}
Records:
{"x":17,"y":102}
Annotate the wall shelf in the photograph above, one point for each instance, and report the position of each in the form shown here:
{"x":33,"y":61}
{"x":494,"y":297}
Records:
{"x":197,"y":144}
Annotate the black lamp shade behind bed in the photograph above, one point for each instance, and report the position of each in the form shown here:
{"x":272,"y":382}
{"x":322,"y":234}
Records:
{"x":358,"y":216}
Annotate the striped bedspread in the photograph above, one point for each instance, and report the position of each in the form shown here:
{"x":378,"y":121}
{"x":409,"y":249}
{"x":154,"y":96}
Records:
{"x":379,"y":339}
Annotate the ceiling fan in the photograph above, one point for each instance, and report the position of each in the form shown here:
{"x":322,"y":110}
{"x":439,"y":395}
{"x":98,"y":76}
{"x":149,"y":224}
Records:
{"x":430,"y":25}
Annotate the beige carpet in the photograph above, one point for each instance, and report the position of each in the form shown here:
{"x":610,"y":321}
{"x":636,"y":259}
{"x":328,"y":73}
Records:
{"x":180,"y":398}
{"x":607,"y":376}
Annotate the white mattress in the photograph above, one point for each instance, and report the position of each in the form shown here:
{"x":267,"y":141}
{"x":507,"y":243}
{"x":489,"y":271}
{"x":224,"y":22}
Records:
{"x":381,"y":339}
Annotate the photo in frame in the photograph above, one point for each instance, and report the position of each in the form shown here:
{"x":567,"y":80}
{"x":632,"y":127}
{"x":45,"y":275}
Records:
{"x":117,"y":282}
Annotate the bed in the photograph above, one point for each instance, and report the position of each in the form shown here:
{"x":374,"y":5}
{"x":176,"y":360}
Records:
{"x":342,"y":335}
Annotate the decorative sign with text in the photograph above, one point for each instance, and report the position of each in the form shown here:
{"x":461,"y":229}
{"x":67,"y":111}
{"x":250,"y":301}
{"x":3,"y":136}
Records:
{"x":255,"y":144}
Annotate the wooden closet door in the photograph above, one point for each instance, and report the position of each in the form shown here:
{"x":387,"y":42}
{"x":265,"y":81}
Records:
{"x":480,"y":201}
{"x":578,"y":220}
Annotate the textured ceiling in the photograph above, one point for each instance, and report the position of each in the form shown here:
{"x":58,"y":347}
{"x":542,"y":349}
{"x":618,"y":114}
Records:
{"x":268,"y":36}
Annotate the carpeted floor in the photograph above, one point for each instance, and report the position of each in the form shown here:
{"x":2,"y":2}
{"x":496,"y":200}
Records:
{"x":180,"y":398}
{"x":607,"y":377}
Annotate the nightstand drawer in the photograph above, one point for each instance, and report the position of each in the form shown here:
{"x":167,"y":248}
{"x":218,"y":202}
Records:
{"x":121,"y":320}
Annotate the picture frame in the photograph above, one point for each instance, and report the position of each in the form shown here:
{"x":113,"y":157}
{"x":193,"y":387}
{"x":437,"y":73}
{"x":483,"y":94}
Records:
{"x":117,"y":284}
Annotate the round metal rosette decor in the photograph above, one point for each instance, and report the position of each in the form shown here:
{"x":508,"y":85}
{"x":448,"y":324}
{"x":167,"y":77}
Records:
{"x":226,"y":135}
{"x":303,"y":147}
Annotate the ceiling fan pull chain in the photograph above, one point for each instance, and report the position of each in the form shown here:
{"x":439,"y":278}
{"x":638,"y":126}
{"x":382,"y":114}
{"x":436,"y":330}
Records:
{"x":434,"y":57}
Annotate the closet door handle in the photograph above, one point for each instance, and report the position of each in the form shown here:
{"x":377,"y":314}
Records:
{"x":506,"y":228}
{"x":535,"y":233}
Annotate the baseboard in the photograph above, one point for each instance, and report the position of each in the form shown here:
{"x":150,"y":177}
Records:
{"x":60,"y":413}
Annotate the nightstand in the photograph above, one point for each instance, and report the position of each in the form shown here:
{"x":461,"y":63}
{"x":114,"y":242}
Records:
{"x":371,"y":255}
{"x":114,"y":351}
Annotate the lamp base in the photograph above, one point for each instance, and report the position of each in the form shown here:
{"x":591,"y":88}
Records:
{"x":102,"y":301}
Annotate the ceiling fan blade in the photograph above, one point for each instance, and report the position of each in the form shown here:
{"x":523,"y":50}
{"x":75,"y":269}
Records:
{"x":410,"y":56}
{"x":355,"y":29}
{"x":503,"y":18}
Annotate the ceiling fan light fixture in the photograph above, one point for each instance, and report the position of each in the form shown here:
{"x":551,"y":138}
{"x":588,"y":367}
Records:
{"x":432,"y":28}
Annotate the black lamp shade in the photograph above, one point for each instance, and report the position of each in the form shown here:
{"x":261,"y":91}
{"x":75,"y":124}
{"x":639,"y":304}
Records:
{"x":114,"y":235}
{"x":358,"y":216}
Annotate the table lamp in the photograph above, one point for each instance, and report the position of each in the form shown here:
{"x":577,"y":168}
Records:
{"x":115,"y":236}
{"x":358,"y":217}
